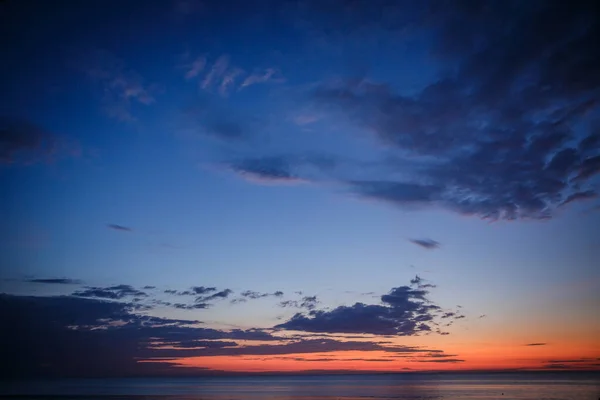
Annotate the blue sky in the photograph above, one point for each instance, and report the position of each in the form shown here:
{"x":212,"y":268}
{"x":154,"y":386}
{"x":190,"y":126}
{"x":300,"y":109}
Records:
{"x":291,"y":147}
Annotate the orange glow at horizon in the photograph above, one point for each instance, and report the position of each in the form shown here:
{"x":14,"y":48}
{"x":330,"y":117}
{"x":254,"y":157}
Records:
{"x":382,"y":361}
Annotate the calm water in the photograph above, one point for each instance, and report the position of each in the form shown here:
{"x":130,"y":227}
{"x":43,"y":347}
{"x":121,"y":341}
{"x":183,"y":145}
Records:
{"x":546,"y":386}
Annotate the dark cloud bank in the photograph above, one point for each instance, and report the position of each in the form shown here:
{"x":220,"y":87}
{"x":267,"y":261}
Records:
{"x":107,"y":331}
{"x":510,"y":128}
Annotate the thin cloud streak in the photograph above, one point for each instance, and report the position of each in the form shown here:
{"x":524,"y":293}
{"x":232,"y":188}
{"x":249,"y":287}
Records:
{"x":117,"y":227}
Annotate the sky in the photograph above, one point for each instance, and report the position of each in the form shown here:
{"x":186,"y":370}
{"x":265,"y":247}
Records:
{"x":201,"y":187}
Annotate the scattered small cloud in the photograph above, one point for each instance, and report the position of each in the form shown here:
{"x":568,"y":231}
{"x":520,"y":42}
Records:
{"x":252,"y":295}
{"x":117,"y":227}
{"x":536,"y":344}
{"x":203,"y":297}
{"x":428,"y":244}
{"x":111,"y":292}
{"x":420,"y":283}
{"x":307,"y":302}
{"x":223,"y":294}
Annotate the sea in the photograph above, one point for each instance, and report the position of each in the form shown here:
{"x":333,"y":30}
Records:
{"x":447,"y":386}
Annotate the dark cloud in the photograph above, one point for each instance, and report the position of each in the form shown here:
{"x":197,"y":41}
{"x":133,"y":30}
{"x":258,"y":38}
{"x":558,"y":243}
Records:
{"x":401,"y":193}
{"x":439,"y":355}
{"x":223,"y":294}
{"x":305,"y":346}
{"x":335,"y":359}
{"x":148,"y":287}
{"x":184,"y":344}
{"x":119,"y":227}
{"x":536,"y":344}
{"x":404,"y":311}
{"x":57,"y":336}
{"x":573,"y":365}
{"x":198,"y":291}
{"x":503,"y":133}
{"x":575,"y":360}
{"x":23,"y":142}
{"x":443,"y":360}
{"x":112,"y":292}
{"x":252,"y":295}
{"x":585,"y":195}
{"x":428,"y":244}
{"x":307,"y":302}
{"x":203,"y":297}
{"x":55,"y":281}
{"x":195,"y":306}
{"x":202,"y":290}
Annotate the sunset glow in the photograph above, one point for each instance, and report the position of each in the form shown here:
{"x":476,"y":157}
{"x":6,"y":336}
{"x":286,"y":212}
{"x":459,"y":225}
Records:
{"x":214,"y":187}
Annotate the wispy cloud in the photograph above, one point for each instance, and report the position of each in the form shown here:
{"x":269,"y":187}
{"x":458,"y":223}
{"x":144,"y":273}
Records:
{"x":266,"y":170}
{"x":55,"y":281}
{"x":216,"y":72}
{"x":195,"y":68}
{"x":121,"y":87}
{"x":226,"y":77}
{"x":536,"y":344}
{"x":269,"y":75}
{"x":306,"y":119}
{"x":228,"y":81}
